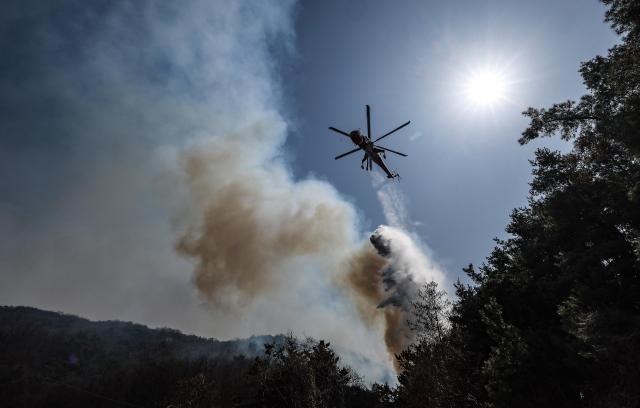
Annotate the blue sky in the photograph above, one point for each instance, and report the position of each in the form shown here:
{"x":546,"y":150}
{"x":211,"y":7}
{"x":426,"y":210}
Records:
{"x":465,"y":172}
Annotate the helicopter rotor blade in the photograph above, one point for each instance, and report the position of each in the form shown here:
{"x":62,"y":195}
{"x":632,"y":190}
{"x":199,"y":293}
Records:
{"x":347,"y":153}
{"x":368,"y":122}
{"x":392,"y":151}
{"x":394,"y":130}
{"x":339,"y":131}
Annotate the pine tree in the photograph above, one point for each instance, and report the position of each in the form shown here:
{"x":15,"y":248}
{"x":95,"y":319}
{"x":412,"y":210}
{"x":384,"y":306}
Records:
{"x":553,"y":316}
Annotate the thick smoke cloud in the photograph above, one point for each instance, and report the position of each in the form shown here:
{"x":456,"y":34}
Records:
{"x":263,"y":243}
{"x":387,"y":276}
{"x":98,"y":100}
{"x":256,"y":219}
{"x":142,"y":153}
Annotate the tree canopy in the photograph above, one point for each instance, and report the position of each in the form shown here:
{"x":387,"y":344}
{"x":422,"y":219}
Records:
{"x":553,"y":316}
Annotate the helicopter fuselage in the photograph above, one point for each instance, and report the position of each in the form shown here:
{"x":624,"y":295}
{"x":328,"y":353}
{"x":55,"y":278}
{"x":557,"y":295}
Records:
{"x":357,"y":137}
{"x":367,"y":145}
{"x":372,"y":153}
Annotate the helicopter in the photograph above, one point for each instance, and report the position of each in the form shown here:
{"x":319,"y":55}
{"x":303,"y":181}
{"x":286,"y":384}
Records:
{"x":372,"y":151}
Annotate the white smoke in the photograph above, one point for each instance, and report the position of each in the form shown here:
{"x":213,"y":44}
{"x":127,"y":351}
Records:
{"x":169,"y":111}
{"x":411,"y":255}
{"x":408,"y":268}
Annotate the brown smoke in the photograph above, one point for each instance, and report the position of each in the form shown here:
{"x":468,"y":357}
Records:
{"x":397,"y":335}
{"x":364,"y":276}
{"x":254,"y":220}
{"x":249,"y":222}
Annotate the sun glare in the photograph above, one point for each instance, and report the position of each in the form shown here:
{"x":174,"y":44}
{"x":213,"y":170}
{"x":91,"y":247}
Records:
{"x":486,"y":88}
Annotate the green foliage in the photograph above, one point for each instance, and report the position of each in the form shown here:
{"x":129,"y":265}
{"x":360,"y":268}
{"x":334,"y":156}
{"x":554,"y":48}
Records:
{"x":553,"y":316}
{"x":430,"y":314}
{"x":426,"y":378}
{"x":307,"y":374}
{"x":50,"y":359}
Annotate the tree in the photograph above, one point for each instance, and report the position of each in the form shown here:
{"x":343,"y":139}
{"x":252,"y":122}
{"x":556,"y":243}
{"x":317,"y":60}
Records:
{"x":308,"y":374}
{"x":195,"y":392}
{"x":430,"y":314}
{"x":425,"y":365}
{"x":586,"y":205}
{"x":553,"y":316}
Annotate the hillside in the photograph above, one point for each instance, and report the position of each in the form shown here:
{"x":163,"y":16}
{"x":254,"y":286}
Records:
{"x":62,"y":359}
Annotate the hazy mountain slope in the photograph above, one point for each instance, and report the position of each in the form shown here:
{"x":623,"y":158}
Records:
{"x":62,"y":359}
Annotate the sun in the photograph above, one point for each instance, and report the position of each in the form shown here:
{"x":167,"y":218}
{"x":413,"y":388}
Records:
{"x":485,"y":87}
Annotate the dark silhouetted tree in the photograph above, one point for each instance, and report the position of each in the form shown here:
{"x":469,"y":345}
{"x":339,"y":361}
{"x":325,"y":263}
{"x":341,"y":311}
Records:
{"x":553,"y":316}
{"x":304,"y":374}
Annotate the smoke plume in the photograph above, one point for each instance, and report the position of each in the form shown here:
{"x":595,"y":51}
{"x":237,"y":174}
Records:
{"x":253,"y":231}
{"x":143,"y":147}
{"x":249,"y":222}
{"x":255,"y":219}
{"x":388,"y":275}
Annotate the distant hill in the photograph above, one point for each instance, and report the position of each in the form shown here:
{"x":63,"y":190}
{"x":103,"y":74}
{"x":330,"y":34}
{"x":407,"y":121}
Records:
{"x":49,"y":358}
{"x":122,"y":338}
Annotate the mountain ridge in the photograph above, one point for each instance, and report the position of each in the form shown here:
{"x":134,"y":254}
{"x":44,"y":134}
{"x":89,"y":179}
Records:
{"x":53,"y":359}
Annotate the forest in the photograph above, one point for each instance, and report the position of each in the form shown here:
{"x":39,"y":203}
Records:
{"x":552,"y":318}
{"x":49,"y":359}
